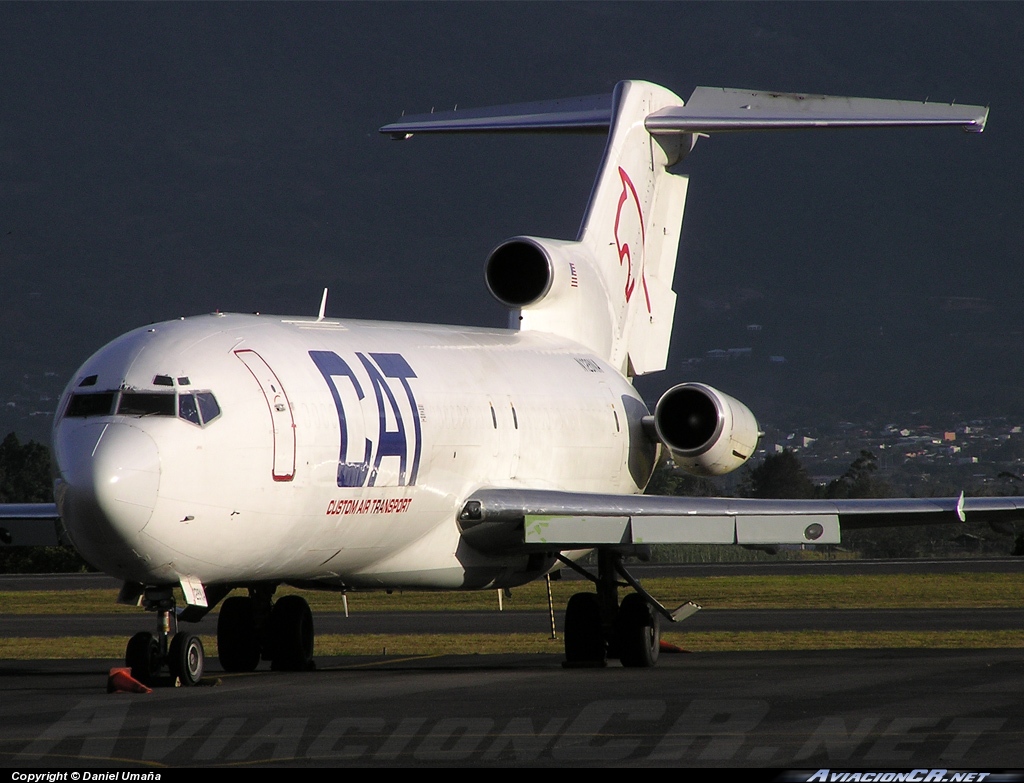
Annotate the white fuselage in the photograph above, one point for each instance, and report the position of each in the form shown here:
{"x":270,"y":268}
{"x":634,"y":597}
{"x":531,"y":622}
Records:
{"x":336,"y":451}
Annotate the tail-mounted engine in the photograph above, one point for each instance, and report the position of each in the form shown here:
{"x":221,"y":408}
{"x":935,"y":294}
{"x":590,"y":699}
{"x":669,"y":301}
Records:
{"x":551,"y":285}
{"x":708,"y":433}
{"x":524,"y":271}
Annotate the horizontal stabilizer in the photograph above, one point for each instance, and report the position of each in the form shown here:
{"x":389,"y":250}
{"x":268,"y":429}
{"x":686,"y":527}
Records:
{"x":708,"y":110}
{"x":716,"y":109}
{"x":589,"y":113}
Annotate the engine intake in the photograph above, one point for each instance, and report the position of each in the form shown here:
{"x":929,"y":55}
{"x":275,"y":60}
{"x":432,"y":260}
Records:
{"x":519,"y":272}
{"x":707,"y":432}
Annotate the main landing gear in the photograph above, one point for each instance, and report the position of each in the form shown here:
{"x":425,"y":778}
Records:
{"x":598,"y":627}
{"x":169,"y":654}
{"x":254,"y":627}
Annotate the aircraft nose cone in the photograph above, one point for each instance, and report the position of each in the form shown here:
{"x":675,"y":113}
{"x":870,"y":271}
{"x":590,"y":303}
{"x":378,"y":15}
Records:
{"x":110,"y":477}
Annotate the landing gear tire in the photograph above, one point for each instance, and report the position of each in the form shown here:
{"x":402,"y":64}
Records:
{"x":238,"y":639}
{"x":291,"y":635}
{"x":584,"y":637}
{"x":142,"y":656}
{"x":186,"y":658}
{"x":637,"y":633}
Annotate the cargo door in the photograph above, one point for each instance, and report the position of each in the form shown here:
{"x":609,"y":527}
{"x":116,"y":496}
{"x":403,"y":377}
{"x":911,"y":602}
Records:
{"x":282,"y":421}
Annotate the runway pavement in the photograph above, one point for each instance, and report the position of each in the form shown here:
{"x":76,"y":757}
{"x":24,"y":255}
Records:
{"x":806,"y":710}
{"x":538,"y":622}
{"x":878,"y":709}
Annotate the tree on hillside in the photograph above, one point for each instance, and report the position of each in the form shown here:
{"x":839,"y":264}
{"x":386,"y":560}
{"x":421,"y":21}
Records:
{"x":859,"y":480}
{"x":778,"y":476}
{"x":672,"y":481}
{"x":26,"y":473}
{"x":26,"y":476}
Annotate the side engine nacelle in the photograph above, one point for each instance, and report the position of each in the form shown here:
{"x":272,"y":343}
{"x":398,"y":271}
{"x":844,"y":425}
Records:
{"x":708,"y":433}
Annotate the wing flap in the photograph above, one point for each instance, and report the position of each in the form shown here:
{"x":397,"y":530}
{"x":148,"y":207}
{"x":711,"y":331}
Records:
{"x":696,"y":529}
{"x":506,"y":520}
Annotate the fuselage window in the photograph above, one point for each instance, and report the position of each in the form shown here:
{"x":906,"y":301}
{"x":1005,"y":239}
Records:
{"x":82,"y":405}
{"x":146,"y":404}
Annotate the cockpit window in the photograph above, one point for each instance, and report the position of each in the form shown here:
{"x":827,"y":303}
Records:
{"x":198,"y":407}
{"x":95,"y":404}
{"x":208,"y":406}
{"x":146,"y":404}
{"x":187,"y":409}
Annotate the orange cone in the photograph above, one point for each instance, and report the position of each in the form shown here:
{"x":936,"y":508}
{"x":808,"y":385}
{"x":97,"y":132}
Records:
{"x":668,"y":647}
{"x":121,"y":681}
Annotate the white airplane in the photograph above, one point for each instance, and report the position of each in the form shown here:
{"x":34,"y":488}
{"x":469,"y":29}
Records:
{"x":228,"y":451}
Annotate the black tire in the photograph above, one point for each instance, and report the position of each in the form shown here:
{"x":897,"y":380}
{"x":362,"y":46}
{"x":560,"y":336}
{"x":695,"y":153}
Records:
{"x":291,"y":635}
{"x":238,"y":640}
{"x":142,"y":656}
{"x":584,"y":637}
{"x":186,"y":658}
{"x":637,"y":632}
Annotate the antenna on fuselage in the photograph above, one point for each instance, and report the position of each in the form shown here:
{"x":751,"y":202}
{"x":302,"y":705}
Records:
{"x":323,"y":306}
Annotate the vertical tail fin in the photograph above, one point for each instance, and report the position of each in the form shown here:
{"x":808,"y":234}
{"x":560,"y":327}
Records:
{"x":632,"y":225}
{"x":611,"y":289}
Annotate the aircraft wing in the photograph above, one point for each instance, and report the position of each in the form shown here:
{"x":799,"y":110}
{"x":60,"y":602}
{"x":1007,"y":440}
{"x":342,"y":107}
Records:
{"x":29,"y":524}
{"x":503,"y":520}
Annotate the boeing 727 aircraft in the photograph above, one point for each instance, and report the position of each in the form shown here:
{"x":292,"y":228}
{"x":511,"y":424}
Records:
{"x":233,"y":452}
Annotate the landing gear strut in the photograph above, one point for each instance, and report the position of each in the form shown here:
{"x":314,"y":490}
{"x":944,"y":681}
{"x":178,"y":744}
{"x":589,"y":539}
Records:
{"x":597,"y":627}
{"x":179,"y":654}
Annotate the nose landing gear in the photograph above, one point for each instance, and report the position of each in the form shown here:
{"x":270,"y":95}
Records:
{"x":168,"y":656}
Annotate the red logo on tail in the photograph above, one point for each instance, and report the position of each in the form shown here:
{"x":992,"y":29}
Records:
{"x":630,"y":237}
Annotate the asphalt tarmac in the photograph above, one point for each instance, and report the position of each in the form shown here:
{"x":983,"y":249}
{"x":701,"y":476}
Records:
{"x":878,"y":709}
{"x":805,"y":710}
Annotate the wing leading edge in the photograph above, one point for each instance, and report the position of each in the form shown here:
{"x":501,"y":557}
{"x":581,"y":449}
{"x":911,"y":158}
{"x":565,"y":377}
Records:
{"x":29,"y":524}
{"x":502,"y":520}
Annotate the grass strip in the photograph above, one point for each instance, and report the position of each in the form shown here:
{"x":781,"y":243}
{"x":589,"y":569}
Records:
{"x":82,"y":647}
{"x":816,"y":591}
